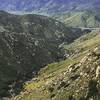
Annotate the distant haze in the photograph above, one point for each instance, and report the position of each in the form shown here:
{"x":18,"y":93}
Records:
{"x":48,"y":6}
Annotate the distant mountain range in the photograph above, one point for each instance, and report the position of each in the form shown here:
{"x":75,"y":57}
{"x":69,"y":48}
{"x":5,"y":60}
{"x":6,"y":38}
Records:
{"x":49,"y":6}
{"x":80,"y":19}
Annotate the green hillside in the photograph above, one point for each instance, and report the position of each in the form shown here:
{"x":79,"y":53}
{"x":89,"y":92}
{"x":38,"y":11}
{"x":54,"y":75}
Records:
{"x":42,"y":59}
{"x":28,"y":43}
{"x":51,"y":56}
{"x":71,"y":79}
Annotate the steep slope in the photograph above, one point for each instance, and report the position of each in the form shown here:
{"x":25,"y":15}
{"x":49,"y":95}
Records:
{"x":71,"y":79}
{"x":80,"y":19}
{"x":28,"y":43}
{"x":49,"y":6}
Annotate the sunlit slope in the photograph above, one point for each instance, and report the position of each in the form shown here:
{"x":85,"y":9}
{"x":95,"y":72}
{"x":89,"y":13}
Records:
{"x":71,"y":78}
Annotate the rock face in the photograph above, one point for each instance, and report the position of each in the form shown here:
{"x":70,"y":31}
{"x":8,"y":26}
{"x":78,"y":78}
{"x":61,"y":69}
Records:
{"x":27,"y":43}
{"x":79,"y":81}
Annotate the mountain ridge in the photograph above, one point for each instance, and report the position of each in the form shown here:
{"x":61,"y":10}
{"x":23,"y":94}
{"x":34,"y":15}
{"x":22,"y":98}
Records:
{"x":89,"y":19}
{"x":49,"y":6}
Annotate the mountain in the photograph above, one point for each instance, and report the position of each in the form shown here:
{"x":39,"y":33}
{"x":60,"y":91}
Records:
{"x":80,"y":19}
{"x":71,"y":79}
{"x":29,"y":42}
{"x":42,"y":58}
{"x":49,"y":6}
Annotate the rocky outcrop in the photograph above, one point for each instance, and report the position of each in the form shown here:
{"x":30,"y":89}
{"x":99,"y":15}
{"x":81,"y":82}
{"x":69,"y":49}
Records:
{"x":80,"y":79}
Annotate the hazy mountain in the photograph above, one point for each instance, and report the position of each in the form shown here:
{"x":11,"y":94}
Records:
{"x":49,"y":6}
{"x":80,"y":19}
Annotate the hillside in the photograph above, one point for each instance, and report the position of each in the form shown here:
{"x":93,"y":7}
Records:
{"x":71,"y":79}
{"x":80,"y":19}
{"x":49,"y":50}
{"x":28,"y":43}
